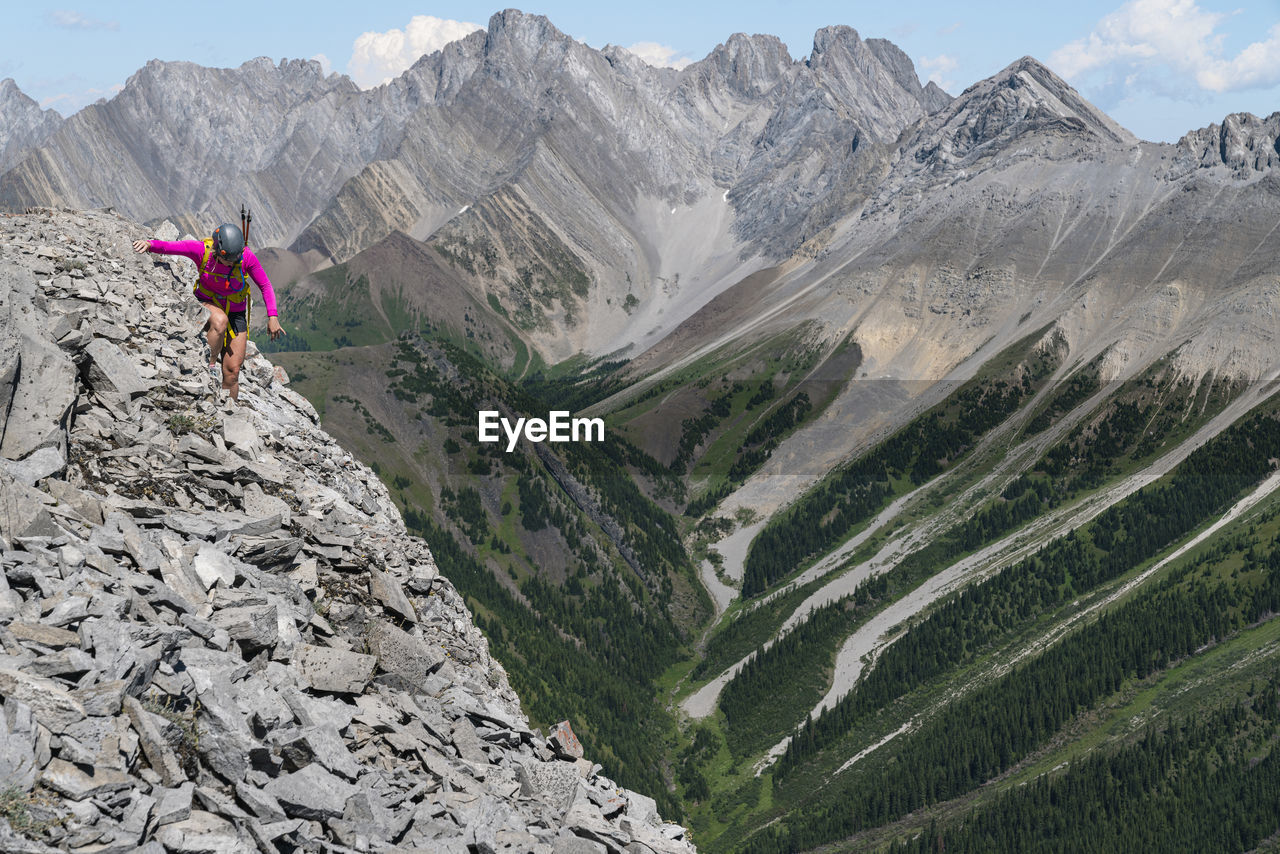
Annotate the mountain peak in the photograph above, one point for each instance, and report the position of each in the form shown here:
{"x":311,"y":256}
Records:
{"x":1031,"y":65}
{"x":749,"y":65}
{"x":527,"y":29}
{"x":528,"y":45}
{"x":934,"y":97}
{"x":1024,"y":97}
{"x":11,"y":93}
{"x":22,"y":123}
{"x":1025,"y":68}
{"x":1053,"y":95}
{"x":755,"y":45}
{"x":875,"y":83}
{"x":834,"y":36}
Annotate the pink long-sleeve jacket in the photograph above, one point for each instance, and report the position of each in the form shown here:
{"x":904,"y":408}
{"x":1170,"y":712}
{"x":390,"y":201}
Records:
{"x":215,"y":278}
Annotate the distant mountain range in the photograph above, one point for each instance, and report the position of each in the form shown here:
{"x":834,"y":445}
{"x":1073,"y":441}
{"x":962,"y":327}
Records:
{"x":664,"y":186}
{"x":646,"y":176}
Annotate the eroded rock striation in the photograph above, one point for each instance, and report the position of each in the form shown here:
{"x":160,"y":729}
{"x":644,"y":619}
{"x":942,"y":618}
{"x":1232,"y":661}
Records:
{"x":216,"y":634}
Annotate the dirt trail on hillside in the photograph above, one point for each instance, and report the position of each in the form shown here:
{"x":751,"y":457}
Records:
{"x":1052,"y":636}
{"x":722,"y":595}
{"x":734,"y":550}
{"x":1264,"y":489}
{"x":876,"y":634}
{"x":703,"y":702}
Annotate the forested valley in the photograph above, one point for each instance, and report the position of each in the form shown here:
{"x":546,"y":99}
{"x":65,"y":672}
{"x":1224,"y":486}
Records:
{"x":581,"y":563}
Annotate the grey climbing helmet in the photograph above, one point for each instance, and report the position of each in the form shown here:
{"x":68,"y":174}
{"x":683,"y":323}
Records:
{"x":228,"y":243}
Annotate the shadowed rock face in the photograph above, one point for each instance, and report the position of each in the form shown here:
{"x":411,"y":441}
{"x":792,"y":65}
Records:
{"x":212,"y":619}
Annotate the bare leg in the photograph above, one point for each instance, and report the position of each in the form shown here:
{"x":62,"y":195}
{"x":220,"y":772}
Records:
{"x":232,"y":359}
{"x":216,"y":328}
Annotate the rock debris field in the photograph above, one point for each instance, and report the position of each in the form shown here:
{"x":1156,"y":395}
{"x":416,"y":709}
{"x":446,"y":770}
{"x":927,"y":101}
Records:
{"x":216,"y":634}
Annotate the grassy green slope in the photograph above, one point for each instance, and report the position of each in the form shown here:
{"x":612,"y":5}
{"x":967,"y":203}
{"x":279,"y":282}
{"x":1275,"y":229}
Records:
{"x":579,"y":580}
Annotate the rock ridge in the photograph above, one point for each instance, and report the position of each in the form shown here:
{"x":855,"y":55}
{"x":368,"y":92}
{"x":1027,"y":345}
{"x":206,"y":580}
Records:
{"x":1244,"y":143}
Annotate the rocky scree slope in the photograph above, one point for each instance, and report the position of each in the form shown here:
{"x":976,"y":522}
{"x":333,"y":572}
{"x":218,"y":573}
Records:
{"x":216,"y":635}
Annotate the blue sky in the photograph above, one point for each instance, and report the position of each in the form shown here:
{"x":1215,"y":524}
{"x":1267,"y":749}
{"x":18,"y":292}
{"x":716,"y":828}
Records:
{"x":1159,"y":67}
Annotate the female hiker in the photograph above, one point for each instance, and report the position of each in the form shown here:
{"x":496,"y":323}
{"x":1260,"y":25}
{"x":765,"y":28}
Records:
{"x":223,"y":262}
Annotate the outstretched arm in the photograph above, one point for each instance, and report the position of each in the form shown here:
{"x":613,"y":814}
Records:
{"x":193,"y":249}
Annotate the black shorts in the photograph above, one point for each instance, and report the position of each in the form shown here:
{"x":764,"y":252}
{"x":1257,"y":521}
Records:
{"x":237,"y":321}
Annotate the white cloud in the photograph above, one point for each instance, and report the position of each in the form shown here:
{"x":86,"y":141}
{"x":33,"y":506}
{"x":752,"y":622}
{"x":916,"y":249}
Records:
{"x":1171,"y":47}
{"x":659,"y":55}
{"x":325,"y":65}
{"x":938,"y":67}
{"x":379,"y":57}
{"x":71,"y":20}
